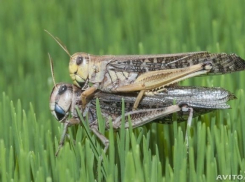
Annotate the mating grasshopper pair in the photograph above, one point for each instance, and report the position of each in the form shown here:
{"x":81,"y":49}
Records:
{"x":144,"y":76}
{"x":143,"y":73}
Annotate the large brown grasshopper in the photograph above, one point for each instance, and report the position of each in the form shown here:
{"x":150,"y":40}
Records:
{"x":144,"y":73}
{"x":189,"y":101}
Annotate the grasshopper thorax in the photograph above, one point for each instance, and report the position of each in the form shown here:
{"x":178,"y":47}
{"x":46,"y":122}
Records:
{"x":79,"y":68}
{"x":61,"y":100}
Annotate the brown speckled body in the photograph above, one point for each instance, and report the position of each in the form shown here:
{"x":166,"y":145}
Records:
{"x":202,"y":99}
{"x":156,"y":108}
{"x":112,"y":71}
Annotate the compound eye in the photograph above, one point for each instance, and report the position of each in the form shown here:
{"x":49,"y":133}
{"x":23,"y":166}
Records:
{"x":79,"y":60}
{"x":62,"y":89}
{"x":60,"y":113}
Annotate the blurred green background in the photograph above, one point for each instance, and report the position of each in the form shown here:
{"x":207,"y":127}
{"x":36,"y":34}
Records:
{"x":28,"y":132}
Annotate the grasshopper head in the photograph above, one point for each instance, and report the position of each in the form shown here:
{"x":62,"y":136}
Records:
{"x":79,"y":68}
{"x":61,"y":100}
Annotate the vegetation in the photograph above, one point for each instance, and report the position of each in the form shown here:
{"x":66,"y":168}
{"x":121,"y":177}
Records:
{"x":29,"y":134}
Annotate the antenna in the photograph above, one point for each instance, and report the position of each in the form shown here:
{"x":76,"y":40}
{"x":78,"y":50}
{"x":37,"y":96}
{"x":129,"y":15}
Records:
{"x":59,"y":42}
{"x":52,"y":68}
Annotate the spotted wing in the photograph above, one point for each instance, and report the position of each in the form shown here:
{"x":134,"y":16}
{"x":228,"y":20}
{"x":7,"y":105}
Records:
{"x":221,"y":63}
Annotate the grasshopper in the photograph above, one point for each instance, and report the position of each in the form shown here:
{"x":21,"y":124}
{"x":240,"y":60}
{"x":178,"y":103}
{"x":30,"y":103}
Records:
{"x":143,"y":73}
{"x":190,"y":102}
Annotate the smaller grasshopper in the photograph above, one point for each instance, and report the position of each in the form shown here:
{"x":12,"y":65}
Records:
{"x":143,"y":73}
{"x":159,"y":107}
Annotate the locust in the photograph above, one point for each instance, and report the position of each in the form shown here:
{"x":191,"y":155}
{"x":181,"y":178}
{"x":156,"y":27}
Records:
{"x":144,"y":74}
{"x":186,"y":102}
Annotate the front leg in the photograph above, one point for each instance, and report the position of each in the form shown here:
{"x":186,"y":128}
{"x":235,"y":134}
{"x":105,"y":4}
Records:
{"x":68,"y":123}
{"x":89,"y":91}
